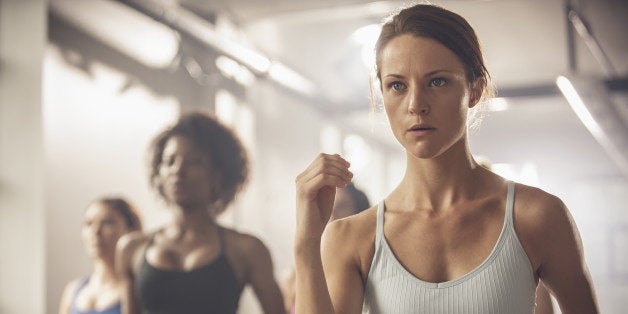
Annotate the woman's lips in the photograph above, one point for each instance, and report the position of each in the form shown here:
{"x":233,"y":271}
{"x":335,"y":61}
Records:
{"x":421,"y":130}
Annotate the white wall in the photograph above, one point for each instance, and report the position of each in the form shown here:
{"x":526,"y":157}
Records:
{"x":95,"y":138}
{"x":22,"y":38}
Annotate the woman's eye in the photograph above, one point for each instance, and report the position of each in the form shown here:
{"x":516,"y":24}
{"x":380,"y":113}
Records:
{"x":168,"y":161}
{"x":397,"y":85}
{"x":438,"y":82}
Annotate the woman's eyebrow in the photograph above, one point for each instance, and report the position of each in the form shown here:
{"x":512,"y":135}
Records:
{"x":430,"y":73}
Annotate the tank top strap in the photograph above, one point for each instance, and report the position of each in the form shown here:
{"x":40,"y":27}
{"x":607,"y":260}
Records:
{"x":221,"y":239}
{"x":80,"y":286}
{"x":510,"y":203}
{"x":379,"y":228}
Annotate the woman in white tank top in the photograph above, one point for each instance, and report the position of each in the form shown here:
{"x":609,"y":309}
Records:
{"x":453,"y":237}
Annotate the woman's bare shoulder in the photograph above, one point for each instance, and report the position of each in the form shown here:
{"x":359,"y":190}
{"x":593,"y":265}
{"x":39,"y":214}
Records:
{"x":243,"y":243}
{"x":355,"y":226}
{"x":356,"y":232}
{"x":71,"y":286}
{"x":68,"y":294}
{"x":537,"y":206}
{"x":538,"y":217}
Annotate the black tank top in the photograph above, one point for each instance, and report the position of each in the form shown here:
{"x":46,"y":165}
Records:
{"x":209,"y":289}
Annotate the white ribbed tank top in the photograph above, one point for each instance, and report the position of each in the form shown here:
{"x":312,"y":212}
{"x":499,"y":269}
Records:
{"x":503,"y":283}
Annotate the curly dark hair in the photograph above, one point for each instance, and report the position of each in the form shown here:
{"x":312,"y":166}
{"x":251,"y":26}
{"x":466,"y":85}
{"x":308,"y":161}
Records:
{"x":227,"y":156}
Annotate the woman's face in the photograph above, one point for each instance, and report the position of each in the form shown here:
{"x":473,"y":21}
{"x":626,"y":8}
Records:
{"x":184,"y":173}
{"x":426,"y":94}
{"x":102,"y":227}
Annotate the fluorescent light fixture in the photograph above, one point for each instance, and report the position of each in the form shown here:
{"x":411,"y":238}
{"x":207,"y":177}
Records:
{"x":250,"y":57}
{"x":288,"y":77}
{"x":232,"y":69}
{"x":576,"y":103}
{"x":130,"y":32}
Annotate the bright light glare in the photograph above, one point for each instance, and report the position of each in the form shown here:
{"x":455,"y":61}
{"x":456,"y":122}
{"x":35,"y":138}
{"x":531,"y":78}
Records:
{"x":330,"y":139}
{"x":225,"y":107}
{"x":232,"y":69}
{"x":252,"y":58}
{"x":498,"y":104}
{"x":135,"y":34}
{"x":526,"y":174}
{"x":366,"y":36}
{"x":288,"y":77}
{"x":357,"y":152}
{"x":576,"y":103}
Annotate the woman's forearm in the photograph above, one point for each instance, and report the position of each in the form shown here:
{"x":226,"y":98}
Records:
{"x":312,"y":295}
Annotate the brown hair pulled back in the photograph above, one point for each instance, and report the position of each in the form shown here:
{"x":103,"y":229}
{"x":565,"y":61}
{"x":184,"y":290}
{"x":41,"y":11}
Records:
{"x":448,"y":28}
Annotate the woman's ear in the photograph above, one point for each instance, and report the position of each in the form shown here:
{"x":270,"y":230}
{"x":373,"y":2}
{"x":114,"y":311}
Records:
{"x":477,"y":89}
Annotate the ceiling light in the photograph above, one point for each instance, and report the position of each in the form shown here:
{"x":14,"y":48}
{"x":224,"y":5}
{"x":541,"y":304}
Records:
{"x":576,"y":103}
{"x":134,"y":34}
{"x":288,"y":77}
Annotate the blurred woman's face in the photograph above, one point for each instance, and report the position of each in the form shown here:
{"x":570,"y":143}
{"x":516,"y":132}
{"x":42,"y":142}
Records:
{"x":185,"y":172}
{"x":102,"y":227}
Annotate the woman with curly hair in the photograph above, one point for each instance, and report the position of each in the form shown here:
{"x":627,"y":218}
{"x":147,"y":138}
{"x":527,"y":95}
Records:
{"x":192,"y":264}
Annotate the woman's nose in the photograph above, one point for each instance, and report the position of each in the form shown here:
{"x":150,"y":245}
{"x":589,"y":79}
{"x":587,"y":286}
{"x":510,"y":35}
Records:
{"x":417,"y":104}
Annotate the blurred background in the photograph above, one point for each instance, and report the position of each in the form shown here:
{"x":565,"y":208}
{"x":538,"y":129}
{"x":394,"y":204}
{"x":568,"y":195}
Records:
{"x":85,"y":85}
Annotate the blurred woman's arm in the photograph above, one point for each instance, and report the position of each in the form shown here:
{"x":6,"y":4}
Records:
{"x":262,"y":278}
{"x":68,"y":294}
{"x":126,"y":251}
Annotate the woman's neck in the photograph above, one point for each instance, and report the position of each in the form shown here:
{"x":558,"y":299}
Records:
{"x":104,"y":272}
{"x":191,"y":221}
{"x":440,"y":182}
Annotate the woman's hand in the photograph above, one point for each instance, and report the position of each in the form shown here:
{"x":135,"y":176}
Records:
{"x":316,"y":189}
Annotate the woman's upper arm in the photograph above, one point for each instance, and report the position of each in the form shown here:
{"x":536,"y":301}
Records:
{"x":563,"y":268}
{"x":262,"y":278}
{"x":126,"y":250}
{"x":66,"y":299}
{"x":341,"y":264}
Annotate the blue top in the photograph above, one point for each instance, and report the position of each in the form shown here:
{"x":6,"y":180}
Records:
{"x":114,"y":309}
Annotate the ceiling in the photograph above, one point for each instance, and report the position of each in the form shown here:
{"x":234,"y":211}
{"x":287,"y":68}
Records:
{"x":525,"y":41}
{"x":525,"y":44}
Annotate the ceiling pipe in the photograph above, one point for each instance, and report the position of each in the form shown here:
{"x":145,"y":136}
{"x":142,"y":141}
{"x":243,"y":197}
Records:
{"x":580,"y":25}
{"x":594,"y":46}
{"x":187,"y":22}
{"x":590,"y":100}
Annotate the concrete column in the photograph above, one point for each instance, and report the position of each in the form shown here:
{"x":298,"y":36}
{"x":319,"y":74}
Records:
{"x":22,"y":214}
